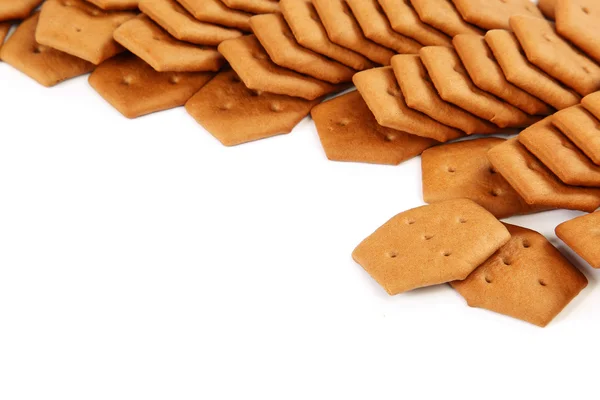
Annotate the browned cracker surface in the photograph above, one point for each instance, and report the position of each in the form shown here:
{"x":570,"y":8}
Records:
{"x":582,"y":127}
{"x":582,"y":234}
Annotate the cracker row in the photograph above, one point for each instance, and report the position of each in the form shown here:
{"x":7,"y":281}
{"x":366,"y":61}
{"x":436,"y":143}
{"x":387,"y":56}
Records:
{"x":582,"y":234}
{"x":581,"y":127}
{"x":443,"y":16}
{"x":215,"y":12}
{"x":17,"y":9}
{"x":254,"y":6}
{"x":495,"y":14}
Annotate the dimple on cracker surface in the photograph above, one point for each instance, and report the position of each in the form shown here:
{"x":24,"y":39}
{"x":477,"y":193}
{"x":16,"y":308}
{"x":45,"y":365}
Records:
{"x":215,"y":12}
{"x":495,"y":14}
{"x":379,"y":89}
{"x":582,"y":234}
{"x":349,"y":132}
{"x":254,"y":6}
{"x":527,"y":279}
{"x":17,"y":9}
{"x":116,"y":5}
{"x":579,"y":22}
{"x":443,"y":16}
{"x":582,"y":128}
{"x":430,"y":245}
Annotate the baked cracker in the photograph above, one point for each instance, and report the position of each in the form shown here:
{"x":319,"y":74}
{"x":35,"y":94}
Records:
{"x":4,"y":28}
{"x":582,"y":234}
{"x":579,"y":22}
{"x":443,"y":16}
{"x":495,"y":14}
{"x":115,"y":5}
{"x":254,"y":6}
{"x":581,"y":127}
{"x":215,"y":12}
{"x":17,"y":9}
{"x":591,"y":102}
{"x":548,"y":8}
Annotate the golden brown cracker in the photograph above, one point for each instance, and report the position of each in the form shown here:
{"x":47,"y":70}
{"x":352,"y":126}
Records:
{"x":443,"y":16}
{"x":116,"y":5}
{"x":254,"y":6}
{"x":215,"y":12}
{"x":495,"y":14}
{"x":591,"y":102}
{"x":17,"y":9}
{"x":579,"y":22}
{"x":547,"y":7}
{"x":582,"y":234}
{"x":581,"y":127}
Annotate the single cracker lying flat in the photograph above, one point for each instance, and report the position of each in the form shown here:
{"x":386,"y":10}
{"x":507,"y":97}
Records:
{"x":258,"y":72}
{"x":349,"y":132}
{"x":404,"y":20}
{"x":495,"y":14}
{"x":308,"y":30}
{"x":544,"y":47}
{"x":535,"y":183}
{"x":173,"y":18}
{"x":521,"y":73}
{"x":80,"y":29}
{"x":462,"y":170}
{"x":560,"y":155}
{"x":582,"y":128}
{"x":46,"y":65}
{"x":579,"y":22}
{"x":116,"y":5}
{"x":376,"y":27}
{"x":234,"y":114}
{"x":277,"y":39}
{"x":431,"y":245}
{"x":487,"y":75}
{"x":4,"y":28}
{"x":17,"y":9}
{"x":582,"y":234}
{"x":455,"y":86}
{"x":547,"y":7}
{"x":379,"y":89}
{"x":527,"y":279}
{"x":254,"y":6}
{"x":215,"y":12}
{"x":134,"y":88}
{"x":443,"y":16}
{"x":343,"y":29}
{"x":420,"y":94}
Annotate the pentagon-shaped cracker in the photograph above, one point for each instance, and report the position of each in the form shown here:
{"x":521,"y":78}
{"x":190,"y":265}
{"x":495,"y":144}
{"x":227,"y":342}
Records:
{"x":404,"y":20}
{"x":17,"y":9}
{"x":455,"y":86}
{"x":420,"y":94}
{"x":379,"y":89}
{"x":308,"y":30}
{"x":547,"y":7}
{"x":544,"y":47}
{"x":234,"y":114}
{"x":183,"y":26}
{"x":343,"y":29}
{"x":535,"y":183}
{"x":134,"y":88}
{"x":116,"y":5}
{"x":376,"y":27}
{"x":494,"y":14}
{"x":349,"y":132}
{"x":254,"y":6}
{"x":152,"y":44}
{"x":4,"y":28}
{"x":581,"y":127}
{"x":258,"y":72}
{"x":215,"y":12}
{"x":527,"y":279}
{"x":80,"y":29}
{"x":44,"y":64}
{"x":462,"y":170}
{"x":521,"y":73}
{"x":582,"y":234}
{"x":487,"y":75}
{"x":277,"y":39}
{"x":443,"y":16}
{"x":579,"y":22}
{"x":560,"y":155}
{"x":431,"y":245}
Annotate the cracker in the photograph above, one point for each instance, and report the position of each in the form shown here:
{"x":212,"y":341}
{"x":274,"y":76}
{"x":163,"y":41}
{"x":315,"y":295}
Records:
{"x":462,"y":170}
{"x":258,"y":72}
{"x":579,"y":22}
{"x":343,"y":29}
{"x":404,"y":20}
{"x":254,"y":6}
{"x":17,"y":9}
{"x":543,"y":47}
{"x":134,"y":88}
{"x":582,"y":128}
{"x":547,"y":7}
{"x":495,"y":14}
{"x":455,"y":86}
{"x":431,"y":245}
{"x":420,"y":94}
{"x":44,"y":64}
{"x":535,"y":183}
{"x":591,"y":102}
{"x":376,"y":27}
{"x":527,"y":279}
{"x":521,"y":73}
{"x":560,"y":155}
{"x":349,"y":132}
{"x":116,"y":5}
{"x":277,"y":39}
{"x":379,"y":89}
{"x":234,"y":114}
{"x":4,"y":28}
{"x":487,"y":75}
{"x":152,"y":44}
{"x":183,"y":26}
{"x":582,"y":234}
{"x":443,"y":16}
{"x":215,"y":12}
{"x":80,"y":29}
{"x":308,"y":30}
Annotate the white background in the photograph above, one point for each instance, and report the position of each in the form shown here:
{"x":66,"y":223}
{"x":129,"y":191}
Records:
{"x":143,"y":260}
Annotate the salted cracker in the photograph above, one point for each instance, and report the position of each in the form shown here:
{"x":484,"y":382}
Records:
{"x":581,"y":127}
{"x":443,"y":16}
{"x":582,"y":234}
{"x":215,"y":12}
{"x":495,"y":14}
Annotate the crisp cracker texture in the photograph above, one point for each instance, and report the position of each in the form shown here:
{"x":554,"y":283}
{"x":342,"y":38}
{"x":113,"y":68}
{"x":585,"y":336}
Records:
{"x":581,"y":127}
{"x":116,"y":5}
{"x":254,"y":6}
{"x":17,"y":9}
{"x":582,"y":234}
{"x":431,"y":245}
{"x":495,"y":14}
{"x":527,"y":279}
{"x":579,"y":22}
{"x":215,"y":12}
{"x":443,"y":16}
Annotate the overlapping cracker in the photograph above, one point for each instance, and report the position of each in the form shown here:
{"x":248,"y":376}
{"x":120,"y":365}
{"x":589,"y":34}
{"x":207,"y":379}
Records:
{"x":173,"y":18}
{"x":379,"y":89}
{"x":278,"y":41}
{"x":17,"y":9}
{"x":254,"y":6}
{"x":582,"y":234}
{"x":431,"y":245}
{"x":80,"y":29}
{"x":579,"y":22}
{"x":4,"y":28}
{"x":581,"y":127}
{"x":349,"y":132}
{"x":591,"y":102}
{"x":528,"y":279}
{"x":547,"y":7}
{"x":443,"y":16}
{"x":116,"y":5}
{"x":494,"y":14}
{"x":215,"y":12}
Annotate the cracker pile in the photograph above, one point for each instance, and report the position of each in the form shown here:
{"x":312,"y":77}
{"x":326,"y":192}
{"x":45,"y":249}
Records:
{"x":426,"y":72}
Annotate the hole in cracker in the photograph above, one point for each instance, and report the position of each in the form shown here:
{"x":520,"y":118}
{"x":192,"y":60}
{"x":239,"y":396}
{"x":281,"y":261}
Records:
{"x":585,"y":10}
{"x":548,"y":37}
{"x":492,"y":171}
{"x":410,"y":221}
{"x":392,"y":254}
{"x":542,"y":282}
{"x":390,"y":137}
{"x":586,"y":70}
{"x":343,"y":122}
{"x":506,"y":261}
{"x":225,"y":107}
{"x":428,"y":237}
{"x":462,"y":220}
{"x":156,"y":38}
{"x":488,"y":279}
{"x":446,"y":253}
{"x":496,"y":192}
{"x":94,"y":13}
{"x":127,"y":80}
{"x":451,"y":169}
{"x":174,"y":79}
{"x":526,"y":244}
{"x":394,"y":91}
{"x":37,"y":50}
{"x":275,"y":107}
